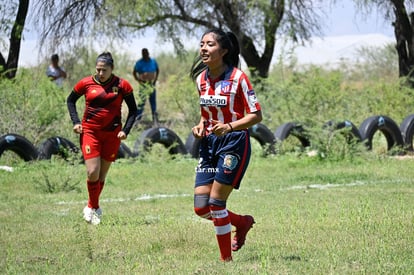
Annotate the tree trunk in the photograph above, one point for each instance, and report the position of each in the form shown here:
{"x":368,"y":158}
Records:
{"x":404,"y":35}
{"x":9,"y":68}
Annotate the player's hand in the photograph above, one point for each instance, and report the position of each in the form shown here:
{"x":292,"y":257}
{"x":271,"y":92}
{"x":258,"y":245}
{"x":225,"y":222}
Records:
{"x":122,"y":135}
{"x":199,"y":130}
{"x":219,"y":128}
{"x":77,"y":128}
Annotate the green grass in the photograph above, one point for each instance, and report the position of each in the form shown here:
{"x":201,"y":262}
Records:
{"x":312,"y":217}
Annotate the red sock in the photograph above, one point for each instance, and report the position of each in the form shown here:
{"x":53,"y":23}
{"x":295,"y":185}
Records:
{"x":101,"y":186}
{"x":222,"y":225}
{"x":235,"y":219}
{"x":94,"y":190}
{"x":203,"y":212}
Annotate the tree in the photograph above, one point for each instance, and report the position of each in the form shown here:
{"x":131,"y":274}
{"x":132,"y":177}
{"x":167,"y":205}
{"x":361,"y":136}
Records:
{"x":257,"y":23}
{"x":12,"y":29}
{"x":397,"y":11}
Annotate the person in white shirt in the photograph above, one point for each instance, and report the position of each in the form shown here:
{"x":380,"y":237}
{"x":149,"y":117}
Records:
{"x":56,"y":73}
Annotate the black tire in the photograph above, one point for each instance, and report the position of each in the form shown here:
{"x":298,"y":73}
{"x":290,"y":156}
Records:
{"x":407,"y":132}
{"x":20,"y":145}
{"x":56,"y":146}
{"x":384,"y":124}
{"x":264,"y":136}
{"x":161,"y":135}
{"x":350,"y":131}
{"x":292,"y":129}
{"x":124,"y":152}
{"x":192,"y":145}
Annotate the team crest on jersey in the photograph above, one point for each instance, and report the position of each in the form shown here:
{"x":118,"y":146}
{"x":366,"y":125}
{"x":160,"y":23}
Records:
{"x":225,"y":87}
{"x":115,"y":90}
{"x":252,"y":96}
{"x":213,"y":100}
{"x":230,"y":162}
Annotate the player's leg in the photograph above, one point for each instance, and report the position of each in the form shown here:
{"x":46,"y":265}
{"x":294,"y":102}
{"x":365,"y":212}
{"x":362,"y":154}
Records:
{"x":221,"y":219}
{"x":201,"y":198}
{"x":89,"y":142}
{"x":233,"y":164}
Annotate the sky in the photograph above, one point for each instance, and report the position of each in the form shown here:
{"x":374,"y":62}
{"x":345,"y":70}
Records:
{"x":345,"y":30}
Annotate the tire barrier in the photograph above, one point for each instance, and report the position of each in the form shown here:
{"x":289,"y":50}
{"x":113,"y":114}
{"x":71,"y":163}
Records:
{"x":383,"y":124}
{"x":125,"y":152}
{"x":56,"y":146}
{"x":292,"y":129}
{"x":407,"y":132}
{"x":192,"y":145}
{"x":163,"y":136}
{"x":19,"y":145}
{"x":347,"y":128}
{"x":264,"y":136}
{"x":395,"y":136}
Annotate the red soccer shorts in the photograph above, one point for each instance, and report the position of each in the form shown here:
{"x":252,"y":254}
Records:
{"x":96,"y":143}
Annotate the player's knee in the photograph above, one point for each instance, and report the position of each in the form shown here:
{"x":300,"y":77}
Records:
{"x":201,"y":206}
{"x":217,"y":202}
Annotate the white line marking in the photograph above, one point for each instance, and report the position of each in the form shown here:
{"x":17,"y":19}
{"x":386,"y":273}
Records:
{"x":144,"y":197}
{"x":332,"y":185}
{"x":323,"y":186}
{"x":6,"y":168}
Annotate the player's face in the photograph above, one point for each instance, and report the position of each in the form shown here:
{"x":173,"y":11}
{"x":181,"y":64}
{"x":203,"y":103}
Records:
{"x":210,"y":51}
{"x":103,"y":71}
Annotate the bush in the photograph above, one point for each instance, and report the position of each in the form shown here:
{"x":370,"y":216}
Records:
{"x":34,"y":107}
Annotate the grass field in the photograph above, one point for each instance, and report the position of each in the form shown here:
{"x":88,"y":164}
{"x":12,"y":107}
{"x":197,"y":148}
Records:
{"x":312,"y":217}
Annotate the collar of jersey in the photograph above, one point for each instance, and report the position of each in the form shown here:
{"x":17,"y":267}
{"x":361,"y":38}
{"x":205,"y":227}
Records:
{"x":102,"y":83}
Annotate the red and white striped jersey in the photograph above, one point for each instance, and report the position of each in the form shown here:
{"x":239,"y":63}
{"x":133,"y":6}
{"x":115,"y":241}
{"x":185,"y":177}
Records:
{"x":227,"y":98}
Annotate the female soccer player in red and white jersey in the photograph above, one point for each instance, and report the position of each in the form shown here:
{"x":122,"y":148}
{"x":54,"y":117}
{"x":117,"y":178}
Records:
{"x":101,"y":129}
{"x":228,"y":108}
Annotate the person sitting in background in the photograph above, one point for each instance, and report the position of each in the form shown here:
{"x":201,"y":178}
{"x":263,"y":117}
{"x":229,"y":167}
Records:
{"x":56,"y":73}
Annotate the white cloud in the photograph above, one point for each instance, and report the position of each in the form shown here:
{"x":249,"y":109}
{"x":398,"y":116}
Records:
{"x":328,"y":50}
{"x":333,"y":49}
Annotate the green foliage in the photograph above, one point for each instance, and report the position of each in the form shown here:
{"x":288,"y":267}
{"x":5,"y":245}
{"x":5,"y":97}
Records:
{"x":178,"y":93}
{"x":32,"y":106}
{"x":309,"y":95}
{"x":48,"y":183}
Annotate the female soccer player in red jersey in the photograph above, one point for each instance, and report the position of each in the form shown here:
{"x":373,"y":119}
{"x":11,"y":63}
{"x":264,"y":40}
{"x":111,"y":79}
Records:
{"x":228,"y":108}
{"x":101,"y":129}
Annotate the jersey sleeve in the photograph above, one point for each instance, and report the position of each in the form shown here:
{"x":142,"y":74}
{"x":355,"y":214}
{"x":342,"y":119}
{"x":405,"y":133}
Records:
{"x":250,"y":100}
{"x":125,"y":87}
{"x":79,"y":87}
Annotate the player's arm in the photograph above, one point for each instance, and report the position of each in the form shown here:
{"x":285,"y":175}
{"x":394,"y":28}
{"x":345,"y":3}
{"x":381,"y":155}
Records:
{"x":132,"y":111}
{"x":247,"y":121}
{"x":71,"y":103}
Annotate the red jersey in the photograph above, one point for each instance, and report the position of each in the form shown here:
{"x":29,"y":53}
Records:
{"x":226,"y":98}
{"x":103,"y":101}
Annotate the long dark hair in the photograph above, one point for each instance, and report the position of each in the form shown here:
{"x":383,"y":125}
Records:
{"x":226,"y":40}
